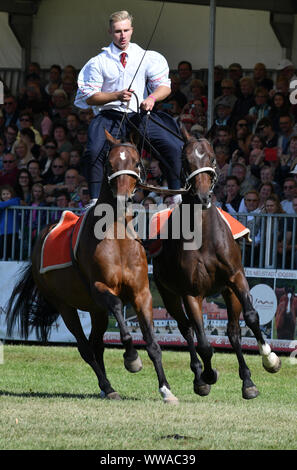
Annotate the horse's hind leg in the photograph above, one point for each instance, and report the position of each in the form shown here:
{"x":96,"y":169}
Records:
{"x":240,"y":287}
{"x":173,"y":305}
{"x":249,"y":390}
{"x":143,"y":307}
{"x":72,"y":322}
{"x":112,"y":303}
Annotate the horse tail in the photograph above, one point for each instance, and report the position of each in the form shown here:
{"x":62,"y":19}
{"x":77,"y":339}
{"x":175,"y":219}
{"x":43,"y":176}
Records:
{"x":28,"y":307}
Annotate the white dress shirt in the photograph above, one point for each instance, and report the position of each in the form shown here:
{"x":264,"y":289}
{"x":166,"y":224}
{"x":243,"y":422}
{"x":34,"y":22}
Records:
{"x":105,"y":73}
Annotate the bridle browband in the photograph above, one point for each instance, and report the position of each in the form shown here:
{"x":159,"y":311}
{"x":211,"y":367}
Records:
{"x":125,"y":172}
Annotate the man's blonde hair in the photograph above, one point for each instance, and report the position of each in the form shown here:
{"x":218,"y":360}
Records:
{"x":120,"y":16}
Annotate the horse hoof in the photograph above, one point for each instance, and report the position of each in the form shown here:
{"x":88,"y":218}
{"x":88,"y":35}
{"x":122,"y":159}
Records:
{"x":168,"y":396}
{"x":272,"y":363}
{"x":210,"y":378}
{"x":250,"y":392}
{"x":133,"y":366}
{"x":113,"y":396}
{"x":202,"y":390}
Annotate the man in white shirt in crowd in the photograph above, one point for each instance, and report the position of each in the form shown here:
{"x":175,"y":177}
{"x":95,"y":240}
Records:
{"x":106,"y":83}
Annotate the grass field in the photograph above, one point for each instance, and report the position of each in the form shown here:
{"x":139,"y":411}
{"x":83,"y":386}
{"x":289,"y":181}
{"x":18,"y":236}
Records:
{"x":49,"y":400}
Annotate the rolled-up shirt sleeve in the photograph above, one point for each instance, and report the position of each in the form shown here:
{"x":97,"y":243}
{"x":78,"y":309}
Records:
{"x":158,"y":71}
{"x":89,"y":82}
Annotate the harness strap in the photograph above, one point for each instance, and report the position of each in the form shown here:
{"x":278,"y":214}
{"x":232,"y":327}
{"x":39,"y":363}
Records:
{"x":123,"y":172}
{"x":200,"y":170}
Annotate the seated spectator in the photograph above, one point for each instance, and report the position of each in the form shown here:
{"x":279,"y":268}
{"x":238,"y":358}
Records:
{"x":170,"y":107}
{"x":270,"y":137}
{"x":50,"y":152}
{"x":55,"y":77}
{"x":84,"y":196}
{"x":23,"y":187}
{"x":60,"y":136}
{"x":245,"y":100}
{"x":36,"y":218}
{"x":287,"y":130}
{"x":60,"y":200}
{"x":267,"y":176}
{"x":261,"y":108}
{"x":28,"y":136}
{"x":197,"y":89}
{"x":69,"y":85}
{"x":2,"y":154}
{"x":34,"y":97}
{"x":71,"y":182}
{"x":10,"y":171}
{"x":280,"y":105}
{"x":246,"y":182}
{"x":235,"y":73}
{"x":289,"y":191}
{"x":232,"y":198}
{"x":22,"y":153}
{"x":218,"y":77}
{"x":242,"y":135}
{"x":72,"y":123}
{"x":228,"y":93}
{"x":265,"y":191}
{"x":10,"y":135}
{"x":250,"y":206}
{"x":26,"y":121}
{"x":75,"y":159}
{"x":55,"y":176}
{"x":260,"y":77}
{"x":287,"y":70}
{"x":176,"y":93}
{"x":58,"y":100}
{"x":223,"y":136}
{"x":273,"y":206}
{"x":222,"y":153}
{"x":185,"y":73}
{"x":34,"y":169}
{"x":10,"y":111}
{"x":9,"y":224}
{"x":82,"y":137}
{"x":156,"y":173}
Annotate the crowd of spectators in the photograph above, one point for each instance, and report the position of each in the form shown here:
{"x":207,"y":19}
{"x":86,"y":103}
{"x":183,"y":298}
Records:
{"x":254,"y":134}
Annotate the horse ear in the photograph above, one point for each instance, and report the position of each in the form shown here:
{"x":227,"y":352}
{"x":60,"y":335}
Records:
{"x":111,"y":139}
{"x":185,"y":134}
{"x":135,"y":138}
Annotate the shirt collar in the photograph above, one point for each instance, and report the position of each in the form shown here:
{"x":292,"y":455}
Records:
{"x":115,"y":51}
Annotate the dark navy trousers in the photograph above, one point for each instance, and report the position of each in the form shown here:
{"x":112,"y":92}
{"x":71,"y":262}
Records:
{"x":168,"y":146}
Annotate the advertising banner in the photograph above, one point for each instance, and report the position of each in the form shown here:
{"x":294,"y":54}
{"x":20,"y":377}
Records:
{"x":274,"y":295}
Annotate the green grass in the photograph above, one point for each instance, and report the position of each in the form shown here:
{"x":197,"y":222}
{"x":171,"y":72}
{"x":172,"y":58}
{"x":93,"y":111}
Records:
{"x":49,"y":400}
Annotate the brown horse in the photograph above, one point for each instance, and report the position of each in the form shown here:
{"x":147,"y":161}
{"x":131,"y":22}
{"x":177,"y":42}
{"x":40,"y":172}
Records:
{"x":286,"y":314}
{"x":106,"y":273}
{"x":184,"y":277}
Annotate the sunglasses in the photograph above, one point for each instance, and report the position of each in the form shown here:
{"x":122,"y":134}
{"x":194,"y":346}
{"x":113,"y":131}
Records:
{"x":8,"y":161}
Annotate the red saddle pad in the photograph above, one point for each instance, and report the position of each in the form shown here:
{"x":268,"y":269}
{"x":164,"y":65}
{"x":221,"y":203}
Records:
{"x":56,"y":250}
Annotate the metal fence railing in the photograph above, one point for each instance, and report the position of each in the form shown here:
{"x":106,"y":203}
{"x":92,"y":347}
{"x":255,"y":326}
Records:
{"x":273,"y":236}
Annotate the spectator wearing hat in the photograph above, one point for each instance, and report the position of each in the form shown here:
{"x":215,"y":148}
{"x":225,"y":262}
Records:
{"x":260,"y":77}
{"x":287,"y":70}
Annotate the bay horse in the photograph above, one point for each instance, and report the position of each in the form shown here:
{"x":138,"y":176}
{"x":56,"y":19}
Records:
{"x":286,"y":314}
{"x":185,"y":277}
{"x":107,"y":273}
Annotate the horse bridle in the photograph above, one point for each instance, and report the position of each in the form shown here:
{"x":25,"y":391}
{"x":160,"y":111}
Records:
{"x":126,"y":172}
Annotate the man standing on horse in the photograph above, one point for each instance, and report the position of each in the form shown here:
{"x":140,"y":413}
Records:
{"x":122,"y":84}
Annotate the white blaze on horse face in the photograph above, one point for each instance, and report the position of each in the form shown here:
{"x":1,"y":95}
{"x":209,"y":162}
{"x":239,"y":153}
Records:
{"x":198,"y":154}
{"x":122,"y":156}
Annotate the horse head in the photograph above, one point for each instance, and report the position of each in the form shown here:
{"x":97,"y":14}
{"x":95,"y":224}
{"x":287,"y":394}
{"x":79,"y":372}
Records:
{"x":123,"y":167}
{"x":199,"y":164}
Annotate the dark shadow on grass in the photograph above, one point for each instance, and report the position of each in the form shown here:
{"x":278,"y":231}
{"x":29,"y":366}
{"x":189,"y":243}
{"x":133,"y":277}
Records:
{"x":80,"y":396}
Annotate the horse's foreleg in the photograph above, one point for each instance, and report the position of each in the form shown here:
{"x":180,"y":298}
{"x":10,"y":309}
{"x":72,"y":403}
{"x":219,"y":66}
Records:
{"x":143,"y":307}
{"x":173,"y":305}
{"x":72,"y":322}
{"x":249,"y":390}
{"x":239,"y":285}
{"x":193,"y":308}
{"x":103,"y":296}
